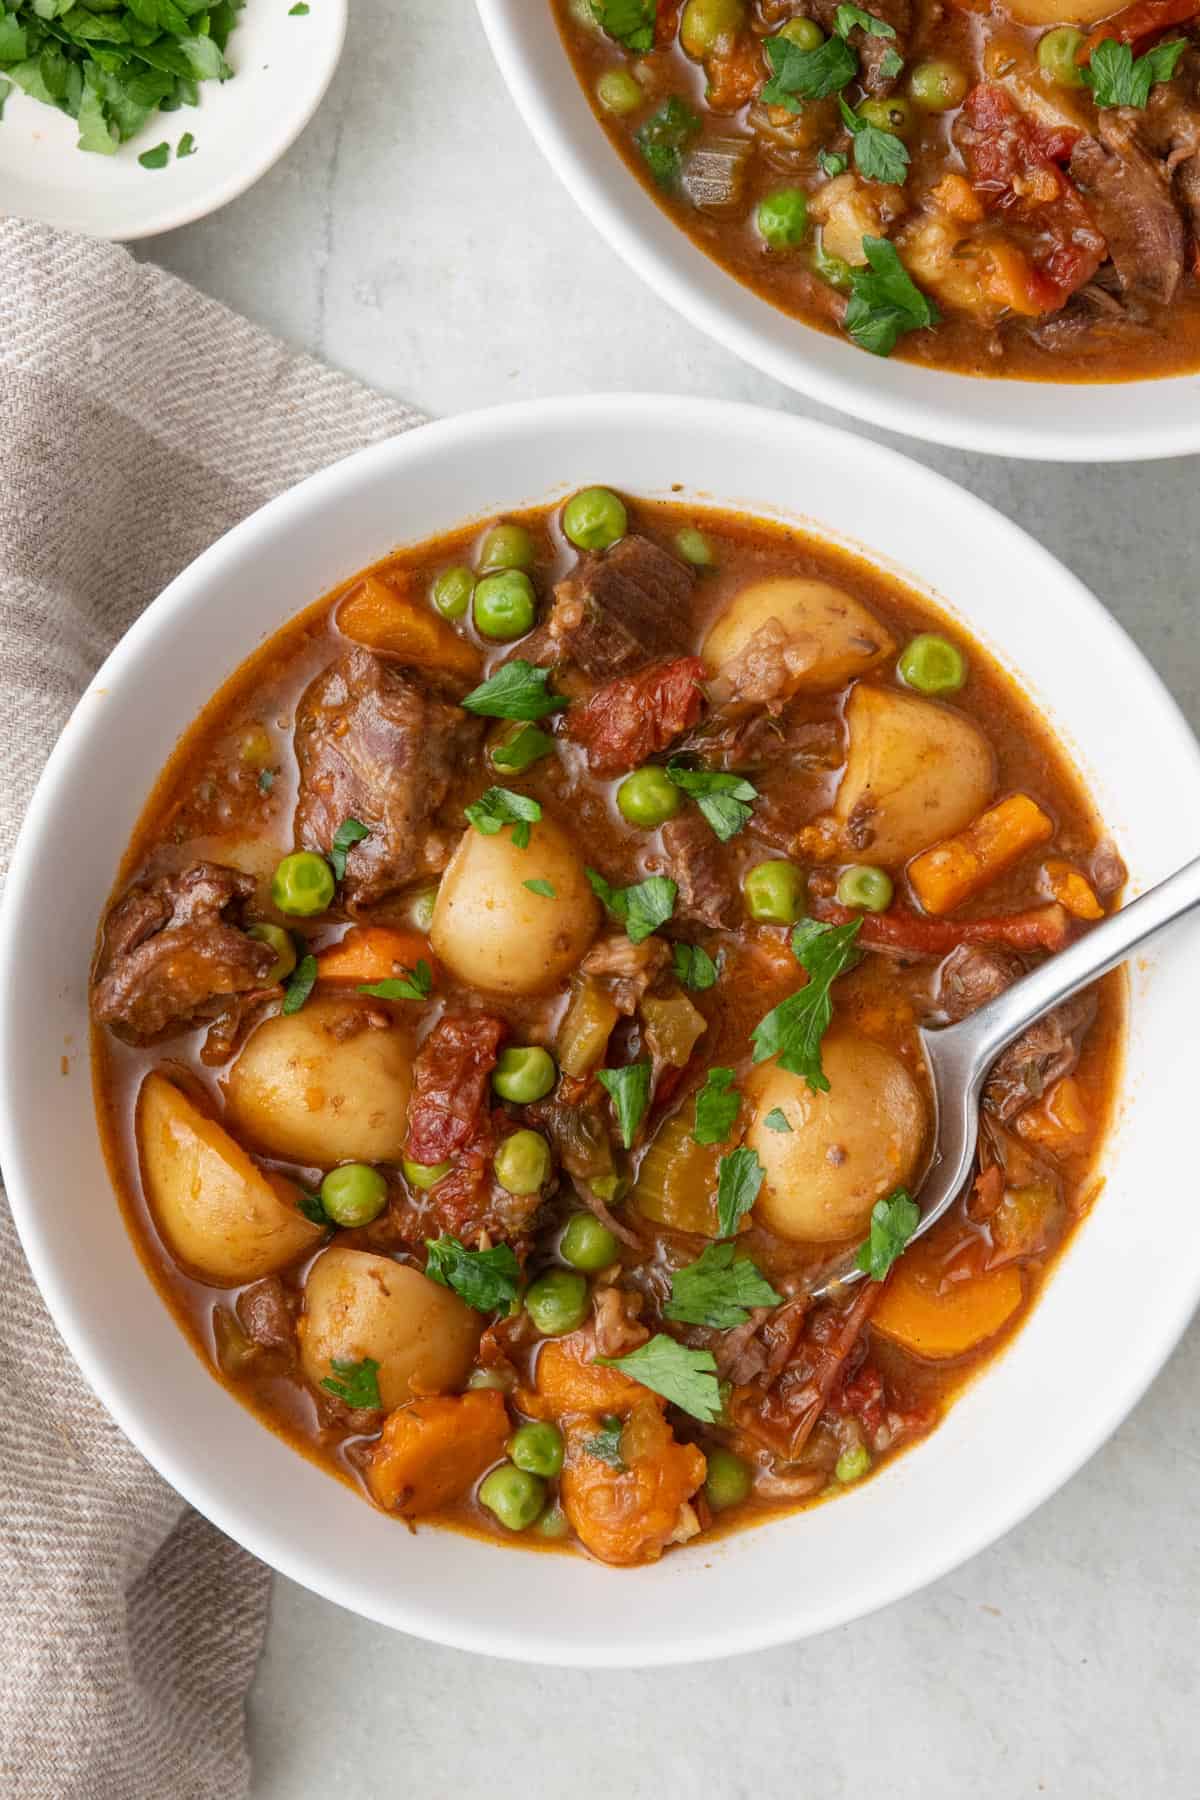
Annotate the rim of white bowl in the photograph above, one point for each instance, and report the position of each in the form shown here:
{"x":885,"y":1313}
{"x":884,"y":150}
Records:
{"x":935,"y":405}
{"x":1026,"y":1489}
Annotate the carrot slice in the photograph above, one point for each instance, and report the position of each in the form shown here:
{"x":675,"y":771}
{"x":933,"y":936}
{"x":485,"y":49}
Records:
{"x":1060,"y":1121}
{"x":384,"y":619}
{"x":629,"y":1515}
{"x":939,"y":1320}
{"x":1071,"y":889}
{"x":956,"y":869}
{"x":373,"y":953}
{"x":568,"y":1382}
{"x":433,"y":1452}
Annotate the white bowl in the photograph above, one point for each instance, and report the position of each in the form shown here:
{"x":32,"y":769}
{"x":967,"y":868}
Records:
{"x":1058,"y":421}
{"x":283,"y":65}
{"x":1018,"y":1432}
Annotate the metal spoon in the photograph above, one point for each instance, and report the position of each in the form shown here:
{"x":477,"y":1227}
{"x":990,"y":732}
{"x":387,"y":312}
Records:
{"x":959,"y":1056}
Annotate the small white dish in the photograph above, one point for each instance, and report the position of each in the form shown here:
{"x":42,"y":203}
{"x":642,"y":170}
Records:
{"x":1020,"y":1429}
{"x":282,"y":64}
{"x":1129,"y":421}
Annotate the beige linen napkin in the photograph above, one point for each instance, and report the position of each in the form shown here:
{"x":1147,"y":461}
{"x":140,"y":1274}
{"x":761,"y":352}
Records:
{"x":138,"y":421}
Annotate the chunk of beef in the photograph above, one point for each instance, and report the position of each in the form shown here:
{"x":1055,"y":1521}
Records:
{"x":874,"y":51}
{"x":627,"y":968}
{"x":1107,"y":870}
{"x":173,"y":955}
{"x":617,"y":1326}
{"x":622,"y":608}
{"x":266,"y":1316}
{"x":450,"y":1085}
{"x":1128,"y":194}
{"x":696,"y":865}
{"x":634,"y":717}
{"x":971,"y":977}
{"x":374,"y":745}
{"x":1169,"y":126}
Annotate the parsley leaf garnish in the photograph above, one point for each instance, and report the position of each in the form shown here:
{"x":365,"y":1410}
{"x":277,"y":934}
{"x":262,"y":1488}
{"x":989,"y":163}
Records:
{"x":517,"y":691}
{"x":720,"y":1290}
{"x":739,"y":1177}
{"x":717,"y":1106}
{"x":723,"y":799}
{"x":776,"y":1120}
{"x":847,"y":17}
{"x":1117,"y":79}
{"x":299,"y":984}
{"x":348,"y":833}
{"x":522,"y":749}
{"x":499,"y":807}
{"x":359,"y":1386}
{"x":893,"y":1222}
{"x":890,"y":64}
{"x":6,"y":88}
{"x":793,"y":1030}
{"x":629,"y":1090}
{"x":299,"y":11}
{"x":266,"y":777}
{"x":312,"y":1208}
{"x":641,"y":908}
{"x":884,"y":300}
{"x":606,"y":1445}
{"x":694,"y":967}
{"x":541,"y":887}
{"x":158,"y":158}
{"x":631,"y":22}
{"x":414,"y":984}
{"x":799,"y":75}
{"x":879,"y":155}
{"x":664,"y":137}
{"x":488,"y":1280}
{"x":831,"y":163}
{"x":686,"y":1378}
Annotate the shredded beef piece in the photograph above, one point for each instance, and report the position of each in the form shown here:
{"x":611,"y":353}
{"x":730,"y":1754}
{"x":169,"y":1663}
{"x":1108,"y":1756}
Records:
{"x":618,"y":1330}
{"x":628,"y":969}
{"x":1128,"y":193}
{"x":695,"y":863}
{"x":971,"y":977}
{"x":233,"y":1024}
{"x":450,"y":1085}
{"x":172,"y":956}
{"x":621,"y":608}
{"x":829,"y":1349}
{"x":1108,"y":872}
{"x":633,"y":717}
{"x":759,"y":1351}
{"x":266,"y":1317}
{"x":770,"y":1484}
{"x":374,"y":745}
{"x":864,"y":1397}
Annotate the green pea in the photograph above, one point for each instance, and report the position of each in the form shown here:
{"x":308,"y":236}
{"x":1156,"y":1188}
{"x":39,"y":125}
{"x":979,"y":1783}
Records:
{"x":705,"y":23}
{"x":806,"y":34}
{"x":894,"y":116}
{"x":537,"y":1448}
{"x":513,"y":1496}
{"x":522,"y":1163}
{"x":774,"y":893}
{"x":281,"y":943}
{"x":618,"y":92}
{"x":938,"y":86}
{"x":420,"y":908}
{"x":587,"y":1244}
{"x":302,"y":885}
{"x":451,"y":592}
{"x":695,"y":548}
{"x":524,"y":1074}
{"x":610,"y":1188}
{"x":424,"y":1175}
{"x":865,"y":886}
{"x":853,"y":1464}
{"x":932,"y":665}
{"x":506,"y":547}
{"x":492,"y":1379}
{"x":505,"y":606}
{"x":782,"y":218}
{"x":728,"y":1480}
{"x":594,"y":518}
{"x":552,"y":1524}
{"x":354,"y":1194}
{"x":557,"y":1302}
{"x":1057,"y":52}
{"x":648,"y":797}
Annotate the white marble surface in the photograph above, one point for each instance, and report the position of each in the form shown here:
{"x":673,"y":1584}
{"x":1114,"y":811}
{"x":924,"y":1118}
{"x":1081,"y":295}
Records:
{"x":415,"y":237}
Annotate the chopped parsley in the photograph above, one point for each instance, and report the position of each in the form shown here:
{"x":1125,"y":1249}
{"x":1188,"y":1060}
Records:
{"x":631,"y":22}
{"x":720,"y":1290}
{"x":312,"y":1208}
{"x":890,"y":64}
{"x":186,"y":146}
{"x":359,"y":1385}
{"x":520,"y":751}
{"x":893,"y":1222}
{"x":724,"y":800}
{"x":606,"y":1445}
{"x":629,"y":1091}
{"x":847,"y":17}
{"x":266,"y":780}
{"x":541,"y":887}
{"x":878,"y":155}
{"x":717,"y":1106}
{"x":519,"y":690}
{"x":414,"y":984}
{"x":348,"y":833}
{"x":686,"y":1378}
{"x":739,"y":1177}
{"x":694,"y":967}
{"x":499,"y":807}
{"x":664,"y":137}
{"x":299,"y":11}
{"x":793,"y":1030}
{"x":6,"y":88}
{"x":776,"y":1120}
{"x":158,"y":158}
{"x":1117,"y":78}
{"x":799,"y":75}
{"x":488,"y":1280}
{"x":299,"y":984}
{"x":641,"y":908}
{"x":831,"y":163}
{"x":884,"y":300}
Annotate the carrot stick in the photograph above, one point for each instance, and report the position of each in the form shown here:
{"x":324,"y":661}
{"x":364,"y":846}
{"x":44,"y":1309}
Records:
{"x":373,"y":953}
{"x":382,"y":617}
{"x":956,"y":869}
{"x":1071,"y":889}
{"x":909,"y":934}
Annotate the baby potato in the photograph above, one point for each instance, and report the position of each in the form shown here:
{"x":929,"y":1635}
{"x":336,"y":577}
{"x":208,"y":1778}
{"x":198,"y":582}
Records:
{"x":846,"y":1148}
{"x":356,"y":1305}
{"x":491,"y":932}
{"x":1058,"y":12}
{"x":916,"y":771}
{"x":324,"y":1085}
{"x":830,"y":636}
{"x":223,"y":1219}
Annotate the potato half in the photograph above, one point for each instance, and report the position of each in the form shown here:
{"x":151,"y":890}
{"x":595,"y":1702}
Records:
{"x":830,"y":636}
{"x":916,"y":771}
{"x":1059,"y":12}
{"x":357,"y":1305}
{"x":222,"y":1218}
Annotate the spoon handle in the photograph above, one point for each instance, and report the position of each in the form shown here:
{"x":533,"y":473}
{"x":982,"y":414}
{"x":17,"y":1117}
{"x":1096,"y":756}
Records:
{"x":996,"y":1025}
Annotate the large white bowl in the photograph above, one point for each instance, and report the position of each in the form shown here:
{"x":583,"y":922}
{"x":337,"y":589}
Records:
{"x":1058,"y":421}
{"x":1016,"y":1434}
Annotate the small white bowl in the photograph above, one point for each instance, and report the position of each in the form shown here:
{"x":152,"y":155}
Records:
{"x":1019,"y":1431}
{"x":283,"y":65}
{"x":1057,"y":421}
